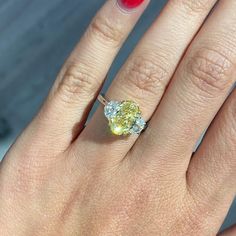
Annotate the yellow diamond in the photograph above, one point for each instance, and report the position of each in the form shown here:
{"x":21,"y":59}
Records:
{"x":124,"y":120}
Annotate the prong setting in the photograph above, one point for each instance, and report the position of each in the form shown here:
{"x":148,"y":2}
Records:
{"x":124,"y":118}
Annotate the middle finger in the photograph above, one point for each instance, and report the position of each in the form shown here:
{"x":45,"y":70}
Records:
{"x":198,"y":89}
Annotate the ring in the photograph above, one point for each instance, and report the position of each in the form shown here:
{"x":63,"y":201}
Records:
{"x":124,"y":117}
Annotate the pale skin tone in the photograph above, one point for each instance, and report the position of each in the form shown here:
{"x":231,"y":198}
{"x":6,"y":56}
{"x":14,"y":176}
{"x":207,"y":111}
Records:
{"x":60,"y":178}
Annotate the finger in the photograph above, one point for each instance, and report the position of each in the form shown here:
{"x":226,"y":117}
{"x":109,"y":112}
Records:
{"x":229,"y":232}
{"x":64,"y":113}
{"x":212,"y":171}
{"x":198,"y":89}
{"x":146,"y":74}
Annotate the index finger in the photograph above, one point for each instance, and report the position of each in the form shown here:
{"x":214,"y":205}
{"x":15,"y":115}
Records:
{"x":65,"y":111}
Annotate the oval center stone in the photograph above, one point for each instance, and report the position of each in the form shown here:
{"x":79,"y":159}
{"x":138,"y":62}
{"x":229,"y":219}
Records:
{"x":124,"y":120}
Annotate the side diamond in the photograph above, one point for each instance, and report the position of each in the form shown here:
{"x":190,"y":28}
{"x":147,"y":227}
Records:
{"x":111,"y":109}
{"x":138,"y":126}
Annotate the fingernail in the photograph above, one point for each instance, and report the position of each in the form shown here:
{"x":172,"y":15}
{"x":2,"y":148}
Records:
{"x":129,"y":4}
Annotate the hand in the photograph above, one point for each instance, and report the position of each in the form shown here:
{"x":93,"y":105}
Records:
{"x":60,"y":178}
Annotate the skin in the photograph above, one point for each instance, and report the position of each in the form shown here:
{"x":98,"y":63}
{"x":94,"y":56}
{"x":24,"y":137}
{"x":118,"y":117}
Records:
{"x":60,"y":178}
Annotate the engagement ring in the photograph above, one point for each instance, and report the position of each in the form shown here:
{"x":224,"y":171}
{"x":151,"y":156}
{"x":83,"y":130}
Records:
{"x":124,"y":117}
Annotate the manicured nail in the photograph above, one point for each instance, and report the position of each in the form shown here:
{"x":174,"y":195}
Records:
{"x":130,"y":4}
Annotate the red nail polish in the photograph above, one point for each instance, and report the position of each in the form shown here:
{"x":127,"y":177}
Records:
{"x":130,"y":4}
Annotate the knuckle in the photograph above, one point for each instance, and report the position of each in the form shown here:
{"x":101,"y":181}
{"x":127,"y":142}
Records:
{"x":194,"y":6}
{"x":107,"y":31}
{"x":192,"y":220}
{"x":146,"y":74}
{"x":195,"y":204}
{"x":77,"y":80}
{"x":210,"y":70}
{"x":29,"y":174}
{"x":139,"y":195}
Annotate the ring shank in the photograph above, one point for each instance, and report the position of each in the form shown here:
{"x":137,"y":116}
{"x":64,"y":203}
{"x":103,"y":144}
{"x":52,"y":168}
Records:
{"x":102,"y":99}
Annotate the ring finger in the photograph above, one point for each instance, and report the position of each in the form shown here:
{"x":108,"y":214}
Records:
{"x":147,"y":72}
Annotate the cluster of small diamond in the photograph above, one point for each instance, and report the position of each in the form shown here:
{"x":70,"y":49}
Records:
{"x":124,"y":118}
